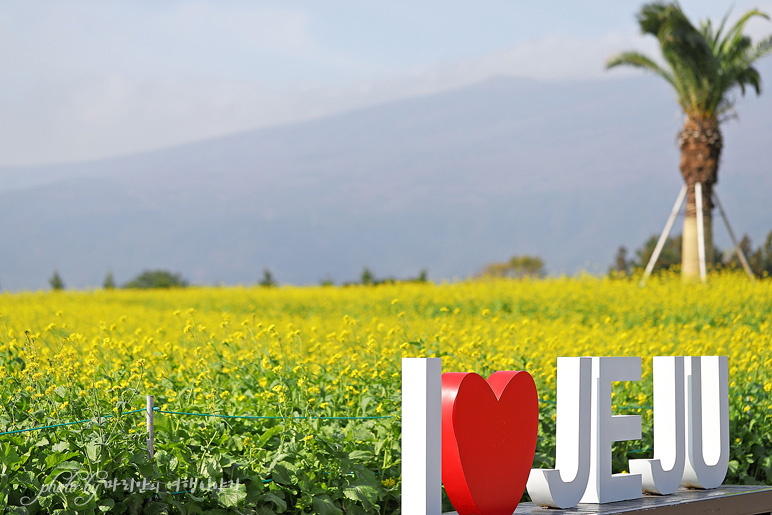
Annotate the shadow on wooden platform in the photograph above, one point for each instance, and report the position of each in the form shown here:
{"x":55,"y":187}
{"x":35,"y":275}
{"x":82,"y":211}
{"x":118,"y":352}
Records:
{"x":725,"y":500}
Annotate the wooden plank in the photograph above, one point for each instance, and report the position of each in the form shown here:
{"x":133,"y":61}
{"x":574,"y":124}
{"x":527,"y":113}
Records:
{"x":724,"y":500}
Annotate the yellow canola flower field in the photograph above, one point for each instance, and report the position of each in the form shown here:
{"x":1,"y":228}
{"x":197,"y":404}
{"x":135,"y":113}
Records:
{"x":474,"y":326}
{"x":335,"y":351}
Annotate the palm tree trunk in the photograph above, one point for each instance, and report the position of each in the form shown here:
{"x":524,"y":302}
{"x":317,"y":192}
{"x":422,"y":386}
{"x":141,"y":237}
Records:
{"x":700,"y":142}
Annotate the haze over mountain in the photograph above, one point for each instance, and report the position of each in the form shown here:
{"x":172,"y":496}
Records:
{"x":446,"y":182}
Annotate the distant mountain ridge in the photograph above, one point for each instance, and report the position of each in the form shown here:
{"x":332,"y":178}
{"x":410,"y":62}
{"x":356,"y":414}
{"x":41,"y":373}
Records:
{"x":446,"y":182}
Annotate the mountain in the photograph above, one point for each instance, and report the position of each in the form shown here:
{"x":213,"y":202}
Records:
{"x":445,"y":182}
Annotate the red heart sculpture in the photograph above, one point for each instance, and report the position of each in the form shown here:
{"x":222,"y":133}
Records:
{"x":488,"y":440}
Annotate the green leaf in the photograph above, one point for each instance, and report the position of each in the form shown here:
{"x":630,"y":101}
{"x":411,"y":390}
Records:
{"x":92,"y":451}
{"x":355,"y":509}
{"x":63,"y":470}
{"x":9,"y":456}
{"x":364,"y":493}
{"x":281,"y":505}
{"x":142,"y":461}
{"x":268,"y":435}
{"x":323,"y":505}
{"x":106,"y":505}
{"x":227,"y":460}
{"x":45,"y":501}
{"x":155,"y":508}
{"x":360,"y":455}
{"x":254,"y":487}
{"x":232,"y":496}
{"x":165,"y":459}
{"x":60,"y":446}
{"x":55,"y":459}
{"x":281,"y":473}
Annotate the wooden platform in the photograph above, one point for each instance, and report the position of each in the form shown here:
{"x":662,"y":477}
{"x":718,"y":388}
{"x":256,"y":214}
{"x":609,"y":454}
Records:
{"x":725,"y":500}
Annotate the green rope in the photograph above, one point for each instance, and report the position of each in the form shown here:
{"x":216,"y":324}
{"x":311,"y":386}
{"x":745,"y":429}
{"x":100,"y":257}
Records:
{"x":16,"y":431}
{"x":257,"y":417}
{"x":253,"y":417}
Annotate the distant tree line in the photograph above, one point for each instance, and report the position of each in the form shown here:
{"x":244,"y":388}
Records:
{"x":759,"y":259}
{"x":148,"y":279}
{"x":164,"y":279}
{"x":368,"y":278}
{"x":517,"y":267}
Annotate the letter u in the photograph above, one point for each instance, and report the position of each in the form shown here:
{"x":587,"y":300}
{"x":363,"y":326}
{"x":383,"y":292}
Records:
{"x":706,"y":385}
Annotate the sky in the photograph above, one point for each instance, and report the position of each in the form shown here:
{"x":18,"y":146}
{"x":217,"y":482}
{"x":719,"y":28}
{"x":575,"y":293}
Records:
{"x":89,"y":79}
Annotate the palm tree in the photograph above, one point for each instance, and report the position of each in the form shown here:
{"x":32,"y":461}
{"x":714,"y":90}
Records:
{"x":703,"y":66}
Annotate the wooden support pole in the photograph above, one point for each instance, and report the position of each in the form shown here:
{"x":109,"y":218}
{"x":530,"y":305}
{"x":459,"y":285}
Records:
{"x":150,"y":425}
{"x":737,"y":248}
{"x":700,"y":230}
{"x":665,"y":233}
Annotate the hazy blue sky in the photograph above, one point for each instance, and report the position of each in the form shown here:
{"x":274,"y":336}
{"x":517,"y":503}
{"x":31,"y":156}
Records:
{"x":85,"y":79}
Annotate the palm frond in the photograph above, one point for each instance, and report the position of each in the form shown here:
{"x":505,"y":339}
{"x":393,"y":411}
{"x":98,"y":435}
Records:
{"x":703,"y":64}
{"x":716,"y":38}
{"x":749,"y":76}
{"x":763,"y":48}
{"x":638,"y":60}
{"x":735,"y":32}
{"x":653,"y":16}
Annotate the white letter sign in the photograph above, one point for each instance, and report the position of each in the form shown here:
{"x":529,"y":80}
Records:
{"x":691,"y":434}
{"x":564,"y":486}
{"x":707,"y":421}
{"x":663,"y":474}
{"x":421,"y":436}
{"x":603,"y":486}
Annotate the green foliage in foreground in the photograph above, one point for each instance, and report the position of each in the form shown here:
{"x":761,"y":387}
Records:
{"x":297,"y":354}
